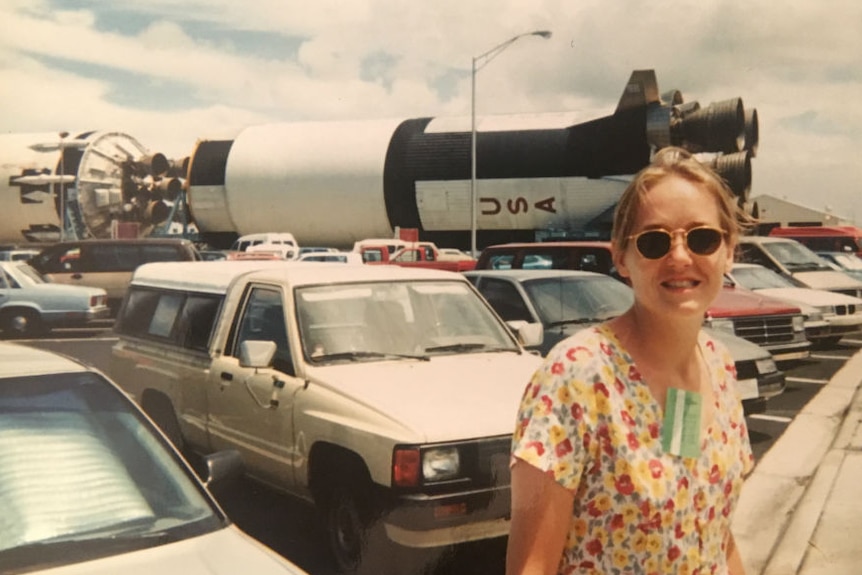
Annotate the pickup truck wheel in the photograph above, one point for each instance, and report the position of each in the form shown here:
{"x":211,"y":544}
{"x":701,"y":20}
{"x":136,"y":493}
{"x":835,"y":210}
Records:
{"x":21,"y":323}
{"x":351,"y":529}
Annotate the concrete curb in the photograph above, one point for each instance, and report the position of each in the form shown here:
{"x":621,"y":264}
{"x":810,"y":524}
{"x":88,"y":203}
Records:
{"x":781,"y":502}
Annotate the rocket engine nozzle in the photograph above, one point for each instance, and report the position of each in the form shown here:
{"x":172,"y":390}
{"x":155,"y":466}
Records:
{"x":734,"y":169}
{"x":720,"y":127}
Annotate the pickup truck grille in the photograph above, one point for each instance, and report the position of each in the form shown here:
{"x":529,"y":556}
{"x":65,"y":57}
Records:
{"x":489,"y":463}
{"x":765,"y":330}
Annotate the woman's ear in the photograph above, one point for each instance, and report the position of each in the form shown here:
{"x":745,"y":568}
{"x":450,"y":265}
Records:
{"x":728,"y":262}
{"x":619,"y":264}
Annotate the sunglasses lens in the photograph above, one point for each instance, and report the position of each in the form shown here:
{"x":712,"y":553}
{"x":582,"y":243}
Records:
{"x":653,"y":245}
{"x":703,"y":241}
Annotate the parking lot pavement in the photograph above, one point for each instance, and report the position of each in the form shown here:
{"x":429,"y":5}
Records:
{"x":800,"y":512}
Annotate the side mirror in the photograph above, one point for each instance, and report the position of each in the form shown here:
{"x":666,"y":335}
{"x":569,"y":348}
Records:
{"x":221,"y":468}
{"x":257,"y":354}
{"x":529,"y":334}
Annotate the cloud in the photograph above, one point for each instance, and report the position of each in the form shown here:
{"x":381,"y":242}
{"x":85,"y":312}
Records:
{"x":172,"y":72}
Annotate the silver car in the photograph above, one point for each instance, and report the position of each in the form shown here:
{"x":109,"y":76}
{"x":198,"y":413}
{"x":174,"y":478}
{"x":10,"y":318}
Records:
{"x":567,"y":301}
{"x":31,"y":305}
{"x":89,"y":485}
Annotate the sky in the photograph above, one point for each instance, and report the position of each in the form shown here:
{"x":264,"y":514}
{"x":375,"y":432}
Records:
{"x":171,"y":72}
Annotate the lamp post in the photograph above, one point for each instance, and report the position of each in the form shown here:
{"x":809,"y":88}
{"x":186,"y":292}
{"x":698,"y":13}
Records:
{"x":480,"y":62}
{"x":62,"y":186}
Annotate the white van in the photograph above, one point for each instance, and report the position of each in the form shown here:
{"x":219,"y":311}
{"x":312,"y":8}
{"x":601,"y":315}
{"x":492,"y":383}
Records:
{"x":281,"y":242}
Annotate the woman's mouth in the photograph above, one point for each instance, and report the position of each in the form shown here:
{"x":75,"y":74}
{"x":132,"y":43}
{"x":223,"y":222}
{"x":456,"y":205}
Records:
{"x":680,"y":284}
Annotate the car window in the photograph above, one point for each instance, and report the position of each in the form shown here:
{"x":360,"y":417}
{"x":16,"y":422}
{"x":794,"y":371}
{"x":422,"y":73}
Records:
{"x":157,"y":253}
{"x":505,"y":299}
{"x":185,"y":320}
{"x":754,"y":255}
{"x":83,"y":475}
{"x":500,"y":261}
{"x":109,"y":258}
{"x":263,"y":320}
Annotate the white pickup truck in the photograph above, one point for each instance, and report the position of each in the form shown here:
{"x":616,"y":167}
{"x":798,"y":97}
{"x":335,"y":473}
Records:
{"x":384,"y":395}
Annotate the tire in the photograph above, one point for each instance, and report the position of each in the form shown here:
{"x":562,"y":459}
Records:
{"x":356,"y":539}
{"x":160,"y":410}
{"x":19,"y":323}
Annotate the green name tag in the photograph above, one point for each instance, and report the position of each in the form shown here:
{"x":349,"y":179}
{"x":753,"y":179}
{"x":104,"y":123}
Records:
{"x":680,"y":433}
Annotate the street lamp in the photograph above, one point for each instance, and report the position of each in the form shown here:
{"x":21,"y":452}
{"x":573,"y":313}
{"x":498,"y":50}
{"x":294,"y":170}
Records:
{"x":62,"y":186}
{"x":484,"y":58}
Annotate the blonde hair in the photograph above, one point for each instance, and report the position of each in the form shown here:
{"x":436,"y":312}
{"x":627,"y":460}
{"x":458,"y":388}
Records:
{"x":674,"y":161}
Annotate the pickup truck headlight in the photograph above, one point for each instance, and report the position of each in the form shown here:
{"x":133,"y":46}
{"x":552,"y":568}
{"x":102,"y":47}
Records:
{"x":798,"y":323}
{"x":412,"y":466}
{"x":440,"y":463}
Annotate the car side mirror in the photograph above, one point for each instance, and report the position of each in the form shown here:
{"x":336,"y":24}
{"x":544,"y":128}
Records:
{"x":529,"y":334}
{"x":221,"y":469}
{"x":256,"y":354}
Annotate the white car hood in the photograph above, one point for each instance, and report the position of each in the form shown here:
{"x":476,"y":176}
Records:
{"x":815,"y":297}
{"x":827,"y":280}
{"x":225,"y":552}
{"x":447,"y":398}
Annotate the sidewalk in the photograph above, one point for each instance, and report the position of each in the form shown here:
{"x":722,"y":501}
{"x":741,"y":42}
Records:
{"x":800,"y":512}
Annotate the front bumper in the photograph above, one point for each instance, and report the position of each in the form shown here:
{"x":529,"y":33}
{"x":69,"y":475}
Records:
{"x":421,"y":520}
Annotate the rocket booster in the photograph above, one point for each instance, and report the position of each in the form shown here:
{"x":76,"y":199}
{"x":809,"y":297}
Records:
{"x":96,"y":178}
{"x":332,"y":183}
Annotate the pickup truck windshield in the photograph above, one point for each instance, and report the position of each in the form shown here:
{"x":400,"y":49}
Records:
{"x":396,"y":320}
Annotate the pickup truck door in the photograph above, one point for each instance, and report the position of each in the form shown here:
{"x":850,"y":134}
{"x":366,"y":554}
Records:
{"x":251,"y":409}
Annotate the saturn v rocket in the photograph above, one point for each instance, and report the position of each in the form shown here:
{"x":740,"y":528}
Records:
{"x":332,"y":183}
{"x":92,"y":181}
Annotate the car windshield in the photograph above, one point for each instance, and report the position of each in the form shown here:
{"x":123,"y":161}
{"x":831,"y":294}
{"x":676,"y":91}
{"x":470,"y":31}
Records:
{"x":760,"y":278}
{"x":380,"y":321}
{"x":578,"y":300}
{"x":82,"y":475}
{"x":848,"y":261}
{"x":795,"y":256}
{"x":31,"y":275}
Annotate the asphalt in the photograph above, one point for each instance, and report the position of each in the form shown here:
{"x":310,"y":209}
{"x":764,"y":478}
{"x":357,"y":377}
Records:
{"x":800,"y":511}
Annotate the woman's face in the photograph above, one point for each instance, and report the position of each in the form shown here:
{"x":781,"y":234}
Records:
{"x":681,"y":283}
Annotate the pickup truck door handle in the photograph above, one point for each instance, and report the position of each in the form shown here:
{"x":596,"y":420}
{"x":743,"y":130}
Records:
{"x":226,"y":376}
{"x":76,"y":276}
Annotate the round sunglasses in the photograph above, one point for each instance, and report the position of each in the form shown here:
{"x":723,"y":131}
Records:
{"x":655,"y":244}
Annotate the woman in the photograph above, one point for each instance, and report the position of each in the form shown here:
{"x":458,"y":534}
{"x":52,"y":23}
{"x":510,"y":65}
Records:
{"x":630,"y":446}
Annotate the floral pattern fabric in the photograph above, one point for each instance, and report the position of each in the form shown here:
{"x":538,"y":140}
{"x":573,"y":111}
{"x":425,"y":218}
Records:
{"x":588,"y":420}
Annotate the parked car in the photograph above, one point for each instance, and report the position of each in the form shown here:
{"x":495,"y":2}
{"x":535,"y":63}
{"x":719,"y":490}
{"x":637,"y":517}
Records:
{"x":355,"y":387}
{"x":316,"y":249}
{"x":848,"y":262}
{"x":772,"y":324}
{"x":15,"y":255}
{"x":337,"y":257}
{"x":454,"y":254}
{"x":89,"y":485}
{"x":565,"y":302}
{"x":108,"y":264}
{"x":823,"y":238}
{"x":283,"y":242}
{"x":836,"y":314}
{"x":31,"y":305}
{"x":212,"y":255}
{"x":795,"y":261}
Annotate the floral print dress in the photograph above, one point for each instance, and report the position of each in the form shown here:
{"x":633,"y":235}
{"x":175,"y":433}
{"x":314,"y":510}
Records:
{"x":589,"y":421}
